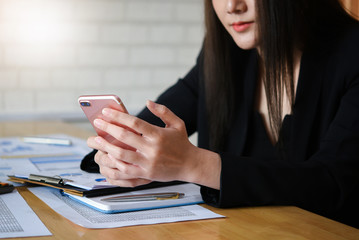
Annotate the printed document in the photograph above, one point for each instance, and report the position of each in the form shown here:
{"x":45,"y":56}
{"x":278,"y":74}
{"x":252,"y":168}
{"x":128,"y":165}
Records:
{"x":21,"y":158}
{"x":89,"y":218}
{"x":17,"y":219}
{"x":14,"y":147}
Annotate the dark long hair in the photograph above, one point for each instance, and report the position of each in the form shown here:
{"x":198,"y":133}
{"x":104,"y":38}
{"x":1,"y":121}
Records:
{"x":283,"y":26}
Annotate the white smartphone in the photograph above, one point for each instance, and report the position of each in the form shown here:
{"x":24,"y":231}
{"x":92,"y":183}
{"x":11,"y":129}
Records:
{"x":92,"y":106}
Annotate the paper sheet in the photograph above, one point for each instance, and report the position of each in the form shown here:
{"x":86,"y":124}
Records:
{"x":19,"y":158}
{"x":17,"y":219}
{"x":15,"y":147}
{"x":89,"y":218}
{"x":13,"y":161}
{"x":12,"y":166}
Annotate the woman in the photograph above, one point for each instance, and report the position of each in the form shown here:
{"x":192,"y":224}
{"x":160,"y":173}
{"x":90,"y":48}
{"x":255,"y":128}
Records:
{"x":274,"y":97}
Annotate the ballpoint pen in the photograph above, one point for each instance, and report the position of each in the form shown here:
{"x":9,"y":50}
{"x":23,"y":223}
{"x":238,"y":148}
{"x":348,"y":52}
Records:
{"x":145,"y":197}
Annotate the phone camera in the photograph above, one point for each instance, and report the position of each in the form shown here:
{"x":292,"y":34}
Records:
{"x":85,"y":104}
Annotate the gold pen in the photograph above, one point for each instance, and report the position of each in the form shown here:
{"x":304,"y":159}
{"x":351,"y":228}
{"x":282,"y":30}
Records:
{"x":145,"y":197}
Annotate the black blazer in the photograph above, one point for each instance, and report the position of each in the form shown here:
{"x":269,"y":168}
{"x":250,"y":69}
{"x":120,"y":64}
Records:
{"x":321,"y":173}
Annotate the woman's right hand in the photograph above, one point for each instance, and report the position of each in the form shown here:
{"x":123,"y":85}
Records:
{"x":162,"y":153}
{"x":109,"y":169}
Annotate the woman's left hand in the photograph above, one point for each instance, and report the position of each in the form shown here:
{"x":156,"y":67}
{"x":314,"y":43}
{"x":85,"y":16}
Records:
{"x":109,"y":168}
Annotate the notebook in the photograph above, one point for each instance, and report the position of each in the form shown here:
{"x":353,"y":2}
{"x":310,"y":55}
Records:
{"x":191,"y":196}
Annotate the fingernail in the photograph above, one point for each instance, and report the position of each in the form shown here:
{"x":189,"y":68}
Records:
{"x":98,"y":139}
{"x":106,"y":112}
{"x":151,"y":104}
{"x":98,"y":123}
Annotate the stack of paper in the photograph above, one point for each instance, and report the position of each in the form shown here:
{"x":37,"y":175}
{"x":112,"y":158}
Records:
{"x":60,"y":167}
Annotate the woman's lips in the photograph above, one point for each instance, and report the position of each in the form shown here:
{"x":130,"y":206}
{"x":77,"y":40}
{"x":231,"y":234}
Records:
{"x":241,"y":26}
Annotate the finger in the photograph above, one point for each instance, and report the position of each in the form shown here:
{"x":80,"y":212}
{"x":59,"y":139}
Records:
{"x":165,"y":114}
{"x":123,"y":135}
{"x":134,"y":123}
{"x":102,"y":159}
{"x":116,"y":177}
{"x":119,"y":154}
{"x":129,"y":169}
{"x":93,"y":144}
{"x":114,"y":174}
{"x":129,"y":183}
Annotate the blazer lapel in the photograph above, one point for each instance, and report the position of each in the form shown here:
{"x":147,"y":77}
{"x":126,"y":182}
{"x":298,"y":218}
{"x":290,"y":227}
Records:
{"x":245,"y":101}
{"x":305,"y":106}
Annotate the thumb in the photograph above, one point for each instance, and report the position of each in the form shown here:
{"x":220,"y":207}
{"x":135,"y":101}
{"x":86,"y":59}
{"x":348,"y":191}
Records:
{"x":166,"y":115}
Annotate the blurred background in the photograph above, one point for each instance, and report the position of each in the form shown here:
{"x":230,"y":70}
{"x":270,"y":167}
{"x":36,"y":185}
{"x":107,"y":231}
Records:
{"x":52,"y":51}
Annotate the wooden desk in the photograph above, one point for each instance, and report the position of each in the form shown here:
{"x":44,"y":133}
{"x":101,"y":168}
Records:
{"x":240,"y":223}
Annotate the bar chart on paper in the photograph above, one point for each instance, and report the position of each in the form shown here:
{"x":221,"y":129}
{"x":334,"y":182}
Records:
{"x":17,"y":219}
{"x":19,"y":157}
{"x":8,"y":222}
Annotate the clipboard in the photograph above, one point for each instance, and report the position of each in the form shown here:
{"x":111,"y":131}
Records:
{"x":60,"y":183}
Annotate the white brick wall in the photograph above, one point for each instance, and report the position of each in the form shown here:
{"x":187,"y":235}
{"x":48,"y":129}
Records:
{"x":52,"y":51}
